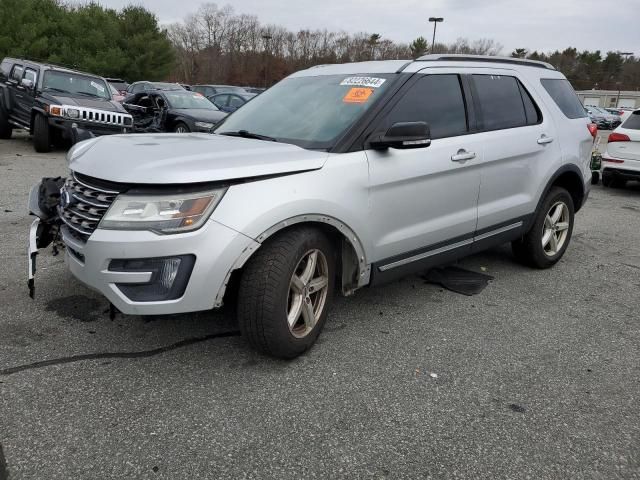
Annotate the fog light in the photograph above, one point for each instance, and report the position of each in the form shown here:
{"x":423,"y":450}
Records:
{"x":169,"y":277}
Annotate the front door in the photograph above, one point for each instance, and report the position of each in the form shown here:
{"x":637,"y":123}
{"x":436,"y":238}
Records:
{"x":423,"y":201}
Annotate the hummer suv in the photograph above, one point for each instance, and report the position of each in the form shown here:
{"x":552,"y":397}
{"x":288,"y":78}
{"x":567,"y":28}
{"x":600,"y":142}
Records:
{"x":49,"y":101}
{"x":338,"y":177}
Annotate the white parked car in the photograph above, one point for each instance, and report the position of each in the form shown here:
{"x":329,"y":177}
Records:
{"x":339,"y":176}
{"x":621,"y":159}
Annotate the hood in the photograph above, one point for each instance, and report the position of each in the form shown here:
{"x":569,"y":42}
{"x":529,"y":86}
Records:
{"x":200,"y":114}
{"x":89,"y":102}
{"x":167,"y":158}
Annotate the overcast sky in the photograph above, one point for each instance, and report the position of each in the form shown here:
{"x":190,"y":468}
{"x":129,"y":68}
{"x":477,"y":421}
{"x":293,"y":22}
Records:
{"x":534,"y":24}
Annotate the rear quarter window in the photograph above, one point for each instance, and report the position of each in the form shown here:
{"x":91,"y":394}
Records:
{"x":633,"y":122}
{"x":561,"y":91}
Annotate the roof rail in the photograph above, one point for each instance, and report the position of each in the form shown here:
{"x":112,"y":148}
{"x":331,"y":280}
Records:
{"x":456,"y":57}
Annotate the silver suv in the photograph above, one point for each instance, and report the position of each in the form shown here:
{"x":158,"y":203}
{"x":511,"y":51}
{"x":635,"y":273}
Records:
{"x":338,"y":177}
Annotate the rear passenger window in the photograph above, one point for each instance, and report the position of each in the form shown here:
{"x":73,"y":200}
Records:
{"x":502,"y":103}
{"x":16,"y":73}
{"x":437,"y":100}
{"x":530,"y":109}
{"x":565,"y":97}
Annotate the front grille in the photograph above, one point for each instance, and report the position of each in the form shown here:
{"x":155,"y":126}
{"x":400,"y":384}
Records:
{"x":93,"y":115}
{"x":83,"y":203}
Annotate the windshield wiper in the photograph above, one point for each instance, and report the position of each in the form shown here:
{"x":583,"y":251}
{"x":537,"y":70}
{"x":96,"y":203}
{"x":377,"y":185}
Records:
{"x":56,"y":89}
{"x":89,"y":94}
{"x":247,"y":134}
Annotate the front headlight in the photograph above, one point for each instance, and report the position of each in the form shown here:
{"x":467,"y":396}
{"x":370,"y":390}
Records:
{"x":176,"y":213}
{"x":206,"y":125}
{"x":73,"y":113}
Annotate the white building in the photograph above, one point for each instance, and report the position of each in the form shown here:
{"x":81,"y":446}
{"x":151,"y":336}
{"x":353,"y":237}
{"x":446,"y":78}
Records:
{"x":610,"y":98}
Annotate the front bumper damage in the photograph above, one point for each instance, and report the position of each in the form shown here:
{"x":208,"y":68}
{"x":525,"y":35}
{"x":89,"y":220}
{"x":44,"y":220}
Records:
{"x":141,"y":272}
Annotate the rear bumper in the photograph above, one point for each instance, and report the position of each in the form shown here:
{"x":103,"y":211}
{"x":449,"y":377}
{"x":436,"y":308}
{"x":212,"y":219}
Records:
{"x":621,"y":172}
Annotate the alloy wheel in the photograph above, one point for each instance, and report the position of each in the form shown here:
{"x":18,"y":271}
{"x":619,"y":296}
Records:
{"x":555,"y":230}
{"x":307,"y":293}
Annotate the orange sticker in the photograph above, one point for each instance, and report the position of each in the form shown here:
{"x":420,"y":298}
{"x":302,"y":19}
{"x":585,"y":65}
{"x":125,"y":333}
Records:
{"x":357,"y":95}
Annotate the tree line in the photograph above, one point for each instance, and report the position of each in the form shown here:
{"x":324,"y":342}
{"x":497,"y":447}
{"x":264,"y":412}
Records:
{"x":128,"y":43}
{"x":218,"y":45}
{"x":586,"y":70}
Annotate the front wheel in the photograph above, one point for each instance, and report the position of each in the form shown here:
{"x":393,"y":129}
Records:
{"x":285,"y":292}
{"x":181,"y":128}
{"x":547,"y":240}
{"x":41,"y":134}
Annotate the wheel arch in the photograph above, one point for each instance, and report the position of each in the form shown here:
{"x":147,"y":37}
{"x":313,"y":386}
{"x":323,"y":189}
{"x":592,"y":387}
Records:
{"x":570,"y":178}
{"x":354,"y":268}
{"x":35,"y":111}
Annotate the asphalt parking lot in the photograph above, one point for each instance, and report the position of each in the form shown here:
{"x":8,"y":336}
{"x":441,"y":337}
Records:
{"x":536,"y":377}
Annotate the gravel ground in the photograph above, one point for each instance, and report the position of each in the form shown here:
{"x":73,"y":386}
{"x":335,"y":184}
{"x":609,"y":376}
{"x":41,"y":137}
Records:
{"x":536,"y":377}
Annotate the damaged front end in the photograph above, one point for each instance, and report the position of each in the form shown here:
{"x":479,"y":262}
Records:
{"x":44,"y":199}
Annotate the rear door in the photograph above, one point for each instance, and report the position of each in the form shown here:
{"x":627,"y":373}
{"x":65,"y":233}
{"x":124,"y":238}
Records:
{"x":15,"y":91}
{"x":25,"y":97}
{"x":521,"y":151}
{"x":423,"y":202}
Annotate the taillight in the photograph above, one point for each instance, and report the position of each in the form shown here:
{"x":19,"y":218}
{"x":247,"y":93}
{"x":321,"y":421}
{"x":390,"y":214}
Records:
{"x":618,"y":137}
{"x":593,"y":129}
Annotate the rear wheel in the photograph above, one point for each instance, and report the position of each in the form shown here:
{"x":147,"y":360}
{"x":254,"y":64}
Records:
{"x":547,"y":240}
{"x":285,"y":292}
{"x":610,"y":180}
{"x":41,"y":134}
{"x":595,"y":178}
{"x":5,"y":127}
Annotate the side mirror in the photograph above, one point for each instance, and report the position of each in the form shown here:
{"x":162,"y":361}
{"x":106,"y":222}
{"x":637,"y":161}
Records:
{"x":403,"y":135}
{"x":27,"y":83}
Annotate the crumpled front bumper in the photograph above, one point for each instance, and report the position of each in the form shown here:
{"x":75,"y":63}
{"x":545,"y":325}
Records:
{"x":216,"y":248}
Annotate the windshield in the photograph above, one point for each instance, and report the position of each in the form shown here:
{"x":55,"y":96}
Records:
{"x":311,"y":112}
{"x":187,"y":100}
{"x":75,"y":84}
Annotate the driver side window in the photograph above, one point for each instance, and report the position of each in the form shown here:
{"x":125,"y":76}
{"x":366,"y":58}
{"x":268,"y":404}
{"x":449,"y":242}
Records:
{"x":30,"y":74}
{"x":437,"y":100}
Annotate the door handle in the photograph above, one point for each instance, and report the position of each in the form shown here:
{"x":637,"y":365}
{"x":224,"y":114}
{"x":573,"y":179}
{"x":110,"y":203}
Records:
{"x":463,"y":156}
{"x":543,"y":140}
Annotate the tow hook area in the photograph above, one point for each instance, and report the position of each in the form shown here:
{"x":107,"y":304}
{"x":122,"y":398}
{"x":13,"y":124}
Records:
{"x":44,"y":199}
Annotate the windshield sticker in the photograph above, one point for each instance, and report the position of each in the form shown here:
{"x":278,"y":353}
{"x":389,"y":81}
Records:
{"x":97,"y":86}
{"x":357,"y":95}
{"x":371,"y":82}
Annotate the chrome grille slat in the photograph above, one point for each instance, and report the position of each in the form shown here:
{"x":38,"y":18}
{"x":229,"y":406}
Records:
{"x":94,"y":115}
{"x":89,"y":203}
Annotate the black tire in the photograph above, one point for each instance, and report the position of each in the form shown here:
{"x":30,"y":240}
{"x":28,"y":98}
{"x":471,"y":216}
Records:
{"x":529,"y":249}
{"x":595,"y":178}
{"x":181,"y":125}
{"x":610,"y":180}
{"x":265,"y":289}
{"x":5,"y":127}
{"x":41,"y":134}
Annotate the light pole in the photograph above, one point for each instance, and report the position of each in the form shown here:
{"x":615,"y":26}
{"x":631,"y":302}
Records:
{"x":626,"y":55}
{"x":266,"y":37}
{"x":435,"y":21}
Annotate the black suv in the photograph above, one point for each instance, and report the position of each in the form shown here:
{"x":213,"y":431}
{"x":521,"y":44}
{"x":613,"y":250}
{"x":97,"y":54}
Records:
{"x":49,"y":101}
